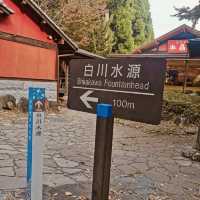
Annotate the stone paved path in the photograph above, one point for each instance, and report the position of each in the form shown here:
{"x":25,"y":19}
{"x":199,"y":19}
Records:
{"x":146,"y":159}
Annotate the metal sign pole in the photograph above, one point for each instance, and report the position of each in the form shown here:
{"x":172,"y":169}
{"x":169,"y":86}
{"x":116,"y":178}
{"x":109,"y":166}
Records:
{"x":103,"y":152}
{"x":35,"y":142}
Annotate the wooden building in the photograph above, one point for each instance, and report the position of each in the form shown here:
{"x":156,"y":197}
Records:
{"x":172,"y":44}
{"x":34,"y":50}
{"x":173,"y":47}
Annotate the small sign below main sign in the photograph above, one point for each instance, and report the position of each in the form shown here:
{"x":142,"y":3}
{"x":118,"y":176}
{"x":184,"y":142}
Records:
{"x":134,"y":86}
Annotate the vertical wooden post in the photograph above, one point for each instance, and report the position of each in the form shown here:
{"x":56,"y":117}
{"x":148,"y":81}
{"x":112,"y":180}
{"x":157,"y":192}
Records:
{"x":197,"y":146}
{"x":65,"y":70}
{"x":185,"y":76}
{"x":103,"y":152}
{"x":58,"y":75}
{"x":66,"y":79}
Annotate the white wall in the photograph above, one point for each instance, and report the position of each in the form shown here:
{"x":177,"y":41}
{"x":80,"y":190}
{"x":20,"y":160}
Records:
{"x":19,"y":88}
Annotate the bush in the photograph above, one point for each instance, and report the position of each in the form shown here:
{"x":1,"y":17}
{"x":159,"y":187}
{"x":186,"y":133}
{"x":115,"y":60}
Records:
{"x":8,"y":102}
{"x":179,"y":104}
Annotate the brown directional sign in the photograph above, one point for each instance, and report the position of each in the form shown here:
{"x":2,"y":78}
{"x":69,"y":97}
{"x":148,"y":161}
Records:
{"x":134,"y":86}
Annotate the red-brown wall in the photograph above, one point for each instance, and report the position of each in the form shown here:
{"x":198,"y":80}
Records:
{"x":29,"y":62}
{"x":22,"y":60}
{"x":20,"y":23}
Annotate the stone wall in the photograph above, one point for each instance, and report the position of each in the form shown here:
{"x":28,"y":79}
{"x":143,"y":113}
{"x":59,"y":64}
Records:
{"x":19,"y":88}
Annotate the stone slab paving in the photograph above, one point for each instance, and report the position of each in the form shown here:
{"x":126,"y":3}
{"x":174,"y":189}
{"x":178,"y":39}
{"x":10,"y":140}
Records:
{"x":146,"y":160}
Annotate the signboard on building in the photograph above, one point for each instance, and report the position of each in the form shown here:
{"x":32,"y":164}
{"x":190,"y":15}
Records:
{"x":177,"y":46}
{"x":133,"y":86}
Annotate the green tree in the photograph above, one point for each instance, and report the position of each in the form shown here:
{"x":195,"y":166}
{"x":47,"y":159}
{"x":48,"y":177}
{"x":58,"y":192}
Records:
{"x":122,"y":25}
{"x":102,"y":39}
{"x":190,"y":14}
{"x":84,"y":21}
{"x":142,"y":22}
{"x":115,"y":4}
{"x":132,"y":24}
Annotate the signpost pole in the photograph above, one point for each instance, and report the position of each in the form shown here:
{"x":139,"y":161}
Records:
{"x":35,"y":142}
{"x":103,"y":152}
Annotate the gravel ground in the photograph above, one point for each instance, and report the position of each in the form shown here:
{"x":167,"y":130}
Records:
{"x":146,"y":160}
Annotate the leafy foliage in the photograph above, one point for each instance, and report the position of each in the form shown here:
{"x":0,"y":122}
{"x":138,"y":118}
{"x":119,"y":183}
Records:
{"x":190,"y":14}
{"x":122,"y":26}
{"x":132,"y":24}
{"x":84,"y":21}
{"x":142,"y":22}
{"x":101,"y":39}
{"x":179,"y":104}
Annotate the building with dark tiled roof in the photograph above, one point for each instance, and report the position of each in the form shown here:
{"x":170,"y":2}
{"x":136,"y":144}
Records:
{"x":173,"y":47}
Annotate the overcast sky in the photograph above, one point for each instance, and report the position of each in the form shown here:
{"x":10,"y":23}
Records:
{"x":161,"y":11}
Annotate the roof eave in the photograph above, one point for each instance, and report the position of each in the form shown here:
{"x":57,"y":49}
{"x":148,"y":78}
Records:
{"x":166,"y":36}
{"x":149,"y":55}
{"x":6,"y":9}
{"x":53,"y":26}
{"x":44,"y":16}
{"x":88,"y":54}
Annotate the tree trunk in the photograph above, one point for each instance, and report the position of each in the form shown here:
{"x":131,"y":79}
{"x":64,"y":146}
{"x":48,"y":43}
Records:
{"x":197,"y":146}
